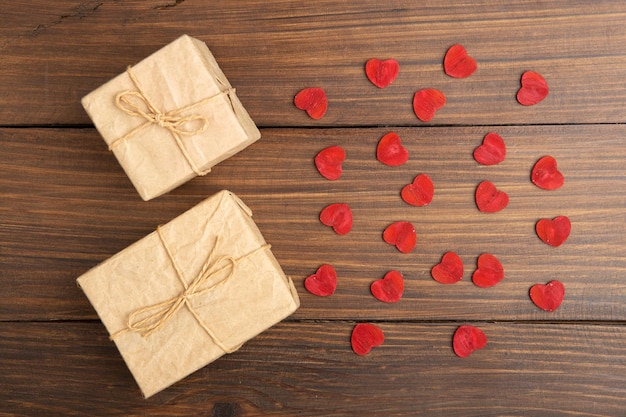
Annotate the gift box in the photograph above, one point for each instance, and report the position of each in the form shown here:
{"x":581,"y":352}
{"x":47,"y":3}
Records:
{"x":171,"y":117}
{"x":193,"y":290}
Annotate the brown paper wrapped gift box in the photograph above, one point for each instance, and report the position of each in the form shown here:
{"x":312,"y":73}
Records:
{"x":171,"y":117}
{"x":198,"y":287}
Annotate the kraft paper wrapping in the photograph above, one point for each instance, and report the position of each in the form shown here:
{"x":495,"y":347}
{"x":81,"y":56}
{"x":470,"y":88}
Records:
{"x":212,"y":126}
{"x":233,"y":305}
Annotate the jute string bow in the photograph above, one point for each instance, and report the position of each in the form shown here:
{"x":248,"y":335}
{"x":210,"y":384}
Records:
{"x":150,"y":319}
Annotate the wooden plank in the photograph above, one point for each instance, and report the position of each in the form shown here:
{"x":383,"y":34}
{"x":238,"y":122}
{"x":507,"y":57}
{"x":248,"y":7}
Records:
{"x":67,"y":205}
{"x":308,"y":369}
{"x":54,"y":52}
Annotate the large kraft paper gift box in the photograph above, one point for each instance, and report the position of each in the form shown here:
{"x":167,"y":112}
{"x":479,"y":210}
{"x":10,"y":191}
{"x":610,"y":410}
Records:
{"x":198,"y":287}
{"x":171,"y":117}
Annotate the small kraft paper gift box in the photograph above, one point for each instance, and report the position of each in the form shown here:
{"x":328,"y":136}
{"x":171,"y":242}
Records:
{"x":195,"y":289}
{"x":171,"y":117}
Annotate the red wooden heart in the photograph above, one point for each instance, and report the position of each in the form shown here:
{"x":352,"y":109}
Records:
{"x":365,"y":336}
{"x":390,"y":288}
{"x":534,"y":89}
{"x":323,"y":282}
{"x":492,"y":151}
{"x":426,"y":102}
{"x":312,"y":100}
{"x":338,"y":216}
{"x":547,"y":297}
{"x":457,"y":63}
{"x":546,"y":175}
{"x":554,"y":232}
{"x":489,"y":199}
{"x":467,"y":339}
{"x":489,"y":271}
{"x":420,"y":192}
{"x":449,"y":270}
{"x":390,"y":150}
{"x":382,"y":73}
{"x":328,"y":162}
{"x":402,"y":235}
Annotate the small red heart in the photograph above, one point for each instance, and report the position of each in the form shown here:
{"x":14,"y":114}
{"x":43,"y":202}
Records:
{"x":420,"y":192}
{"x":547,"y":297}
{"x":382,"y":73}
{"x":554,"y":232}
{"x":402,"y":235}
{"x":390,"y":150}
{"x":390,"y":288}
{"x":313,"y":100}
{"x":492,"y":151}
{"x":489,"y":199}
{"x":323,"y":282}
{"x":328,"y":162}
{"x":426,"y":102}
{"x":457,"y":63}
{"x":338,"y":216}
{"x":489,"y":271}
{"x":365,"y":336}
{"x":546,"y":175}
{"x":449,"y":270}
{"x":534,"y":89}
{"x":467,"y":339}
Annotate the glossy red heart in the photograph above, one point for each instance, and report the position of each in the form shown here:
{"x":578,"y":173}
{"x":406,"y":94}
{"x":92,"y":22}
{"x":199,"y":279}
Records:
{"x":382,"y":73}
{"x":554,"y":232}
{"x":426,"y":102}
{"x":328,"y":162}
{"x":366,"y":336}
{"x":457,"y":63}
{"x":489,"y":271}
{"x":402,"y":235}
{"x":312,"y":100}
{"x":390,"y":288}
{"x":534,"y":89}
{"x":338,"y":216}
{"x":420,"y":192}
{"x":323,"y":282}
{"x":492,"y":151}
{"x":489,"y":199}
{"x":546,"y":175}
{"x":547,"y":297}
{"x":390,"y":150}
{"x":449,"y":270}
{"x":467,"y":339}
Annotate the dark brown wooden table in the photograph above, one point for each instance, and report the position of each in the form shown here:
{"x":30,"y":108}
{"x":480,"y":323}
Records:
{"x":66,"y":205}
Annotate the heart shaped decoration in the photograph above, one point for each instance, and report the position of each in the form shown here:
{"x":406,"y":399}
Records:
{"x":328,"y":162}
{"x":382,"y":73}
{"x":489,"y":199}
{"x":449,"y":270}
{"x":547,"y":297}
{"x":338,"y":216}
{"x":312,"y":100}
{"x":546,"y":175}
{"x":402,"y":235}
{"x":533,"y":90}
{"x":554,"y":232}
{"x":467,"y":339}
{"x":390,"y":288}
{"x":420,"y":192}
{"x":426,"y":102}
{"x":390,"y":150}
{"x":492,"y":151}
{"x":457,"y":63}
{"x":323,"y":282}
{"x":489,"y":271}
{"x":366,"y":336}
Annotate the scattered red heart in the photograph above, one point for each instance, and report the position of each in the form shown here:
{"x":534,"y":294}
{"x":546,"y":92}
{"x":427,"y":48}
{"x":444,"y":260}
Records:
{"x":449,"y":270}
{"x":390,"y":288}
{"x":426,"y":102}
{"x":467,"y":339}
{"x":323,"y":282}
{"x":338,"y":216}
{"x":554,"y":232}
{"x":420,"y":192}
{"x":457,"y":63}
{"x":382,"y":73}
{"x":366,"y":336}
{"x":489,"y":199}
{"x":546,"y":175}
{"x":492,"y":151}
{"x":489,"y":271}
{"x":533,"y":90}
{"x":328,"y":162}
{"x":547,"y":297}
{"x":390,"y":150}
{"x":402,"y":235}
{"x":312,"y":100}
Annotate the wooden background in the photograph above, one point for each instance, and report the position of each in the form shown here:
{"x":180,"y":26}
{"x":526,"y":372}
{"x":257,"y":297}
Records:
{"x":66,"y":205}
